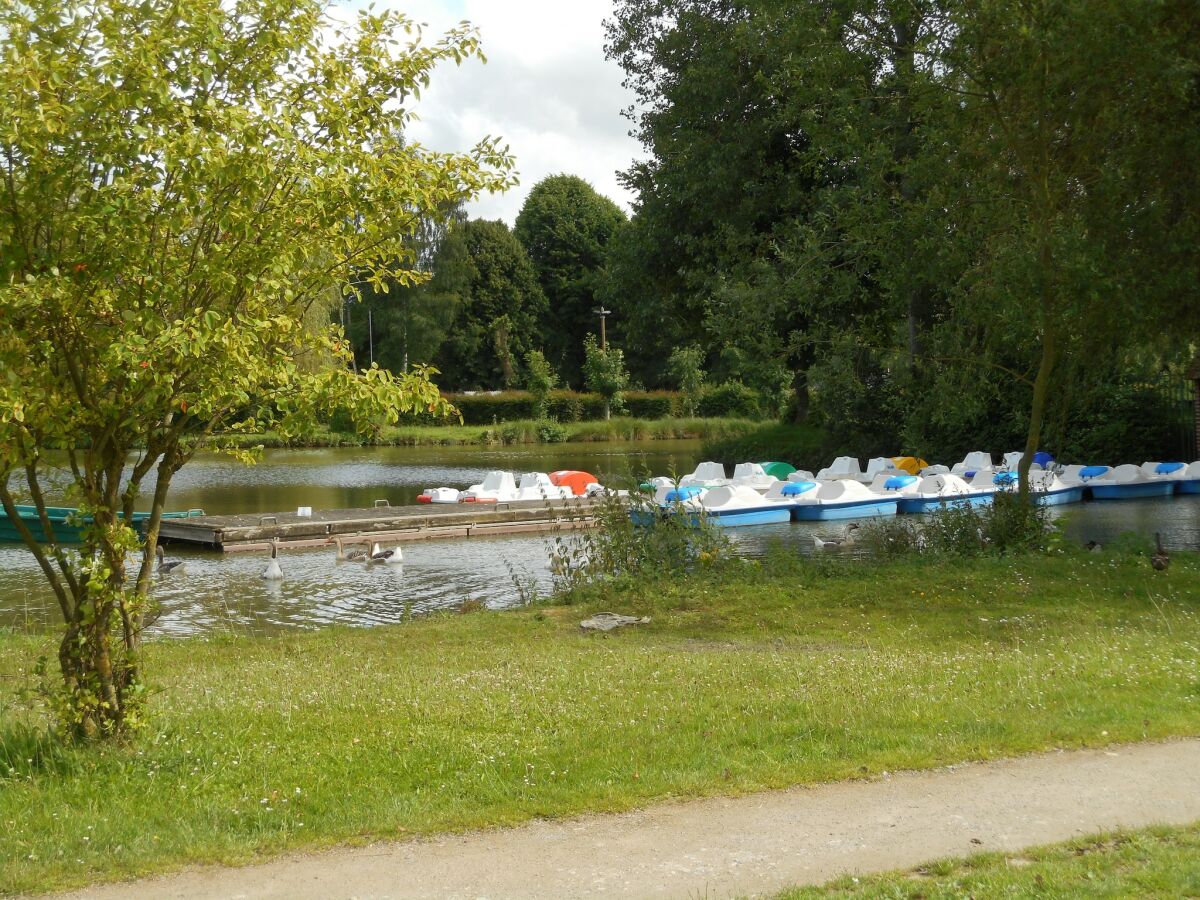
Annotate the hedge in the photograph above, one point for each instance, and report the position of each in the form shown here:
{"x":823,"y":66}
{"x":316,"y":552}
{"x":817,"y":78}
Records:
{"x":571,"y":406}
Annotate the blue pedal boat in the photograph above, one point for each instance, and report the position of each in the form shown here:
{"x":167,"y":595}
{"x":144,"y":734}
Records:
{"x":842,"y":499}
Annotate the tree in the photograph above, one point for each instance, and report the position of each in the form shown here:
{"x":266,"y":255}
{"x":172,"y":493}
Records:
{"x":685,"y":366}
{"x":540,"y":380}
{"x":182,"y":184}
{"x":1067,"y":135}
{"x":604,"y":372}
{"x":498,"y":309}
{"x":566,"y":227}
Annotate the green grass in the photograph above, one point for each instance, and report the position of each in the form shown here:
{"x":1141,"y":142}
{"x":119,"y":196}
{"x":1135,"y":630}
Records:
{"x":1153,"y":862}
{"x":749,"y":677}
{"x":521,"y":432}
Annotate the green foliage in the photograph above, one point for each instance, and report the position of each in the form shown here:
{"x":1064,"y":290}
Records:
{"x":185,"y":186}
{"x":540,"y":380}
{"x":685,"y":366}
{"x":604,"y":372}
{"x":1009,"y":525}
{"x":398,"y":324}
{"x":619,"y":549}
{"x":804,"y":446}
{"x":731,"y":398}
{"x":498,"y":310}
{"x":566,"y":226}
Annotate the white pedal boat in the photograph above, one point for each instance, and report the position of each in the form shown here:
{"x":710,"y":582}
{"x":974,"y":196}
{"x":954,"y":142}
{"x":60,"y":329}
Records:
{"x":496,"y":487}
{"x":934,"y":492}
{"x":439,"y":495}
{"x":1124,"y":482}
{"x":738,"y":504}
{"x":842,"y":499}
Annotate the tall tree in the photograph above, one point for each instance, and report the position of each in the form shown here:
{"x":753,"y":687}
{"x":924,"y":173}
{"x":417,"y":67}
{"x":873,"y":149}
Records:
{"x":397,"y":324}
{"x":497,"y":313}
{"x":181,"y":184}
{"x":566,"y":226}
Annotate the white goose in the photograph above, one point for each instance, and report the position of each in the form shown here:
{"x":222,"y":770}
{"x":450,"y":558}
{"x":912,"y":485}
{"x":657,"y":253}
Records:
{"x":393,"y":556}
{"x":272,"y":572}
{"x":359,"y":555}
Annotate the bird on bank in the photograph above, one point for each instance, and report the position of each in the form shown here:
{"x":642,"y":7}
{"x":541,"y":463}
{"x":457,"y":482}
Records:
{"x":167,"y":564}
{"x":359,"y":555}
{"x":272,"y":572}
{"x":393,"y":556}
{"x":1160,"y":560}
{"x":846,"y":540}
{"x":1092,"y":547}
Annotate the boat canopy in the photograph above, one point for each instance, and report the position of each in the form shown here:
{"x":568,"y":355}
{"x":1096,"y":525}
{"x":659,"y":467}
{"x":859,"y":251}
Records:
{"x":780,"y":470}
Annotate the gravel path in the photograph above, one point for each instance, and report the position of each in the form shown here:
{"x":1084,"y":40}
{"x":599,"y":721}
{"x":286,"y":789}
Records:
{"x":745,"y":845}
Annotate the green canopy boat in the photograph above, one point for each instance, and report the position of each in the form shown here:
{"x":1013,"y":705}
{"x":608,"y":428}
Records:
{"x":780,"y":470}
{"x":67,"y":522}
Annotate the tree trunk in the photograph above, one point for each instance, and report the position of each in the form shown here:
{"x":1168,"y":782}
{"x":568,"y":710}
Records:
{"x":1037,"y":410}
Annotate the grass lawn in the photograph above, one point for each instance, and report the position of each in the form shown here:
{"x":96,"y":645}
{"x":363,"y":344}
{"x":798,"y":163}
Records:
{"x":1155,"y":862}
{"x":520,"y":432}
{"x":750,"y":676}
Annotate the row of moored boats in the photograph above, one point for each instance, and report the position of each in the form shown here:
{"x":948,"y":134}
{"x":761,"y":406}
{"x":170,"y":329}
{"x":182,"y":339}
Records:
{"x":772,"y":492}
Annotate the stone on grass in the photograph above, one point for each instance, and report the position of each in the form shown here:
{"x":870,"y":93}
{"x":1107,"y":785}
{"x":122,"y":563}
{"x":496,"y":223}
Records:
{"x":609,"y":621}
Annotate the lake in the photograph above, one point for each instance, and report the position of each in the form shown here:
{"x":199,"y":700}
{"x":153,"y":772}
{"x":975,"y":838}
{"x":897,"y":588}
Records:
{"x":223,"y":592}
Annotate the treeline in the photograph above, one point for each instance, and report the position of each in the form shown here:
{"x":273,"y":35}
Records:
{"x":926,"y":226}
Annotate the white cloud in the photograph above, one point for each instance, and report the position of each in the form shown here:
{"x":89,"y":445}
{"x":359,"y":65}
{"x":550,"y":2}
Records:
{"x":546,"y":89}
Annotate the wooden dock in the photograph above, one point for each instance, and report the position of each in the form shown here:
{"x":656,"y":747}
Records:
{"x":231,"y":534}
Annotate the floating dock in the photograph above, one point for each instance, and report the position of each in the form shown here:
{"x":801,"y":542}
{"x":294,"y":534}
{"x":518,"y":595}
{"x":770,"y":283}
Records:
{"x":231,"y":534}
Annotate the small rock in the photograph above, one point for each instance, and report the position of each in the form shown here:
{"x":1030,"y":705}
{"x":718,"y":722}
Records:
{"x":610,"y":621}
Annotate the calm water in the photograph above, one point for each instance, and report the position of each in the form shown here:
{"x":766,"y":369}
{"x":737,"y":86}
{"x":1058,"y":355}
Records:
{"x":223,"y":592}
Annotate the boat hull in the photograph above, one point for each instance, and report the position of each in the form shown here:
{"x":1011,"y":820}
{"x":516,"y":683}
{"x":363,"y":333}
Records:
{"x":1059,"y":497}
{"x":62,"y":521}
{"x":750,"y":516}
{"x":918,"y":505}
{"x":1188,"y":486}
{"x":854,"y":509}
{"x":1132,"y":491}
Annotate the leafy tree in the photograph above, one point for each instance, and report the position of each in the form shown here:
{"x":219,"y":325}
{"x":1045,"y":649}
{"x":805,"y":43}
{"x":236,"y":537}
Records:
{"x":566,"y":226}
{"x":685,"y":366}
{"x":399,"y":324}
{"x":498,"y":309}
{"x":183,"y":184}
{"x":540,"y":380}
{"x":604,"y":372}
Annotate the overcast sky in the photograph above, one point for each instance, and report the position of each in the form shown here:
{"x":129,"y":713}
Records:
{"x":546,"y":89}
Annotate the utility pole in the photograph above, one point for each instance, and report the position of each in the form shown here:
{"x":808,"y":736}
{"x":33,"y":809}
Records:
{"x":603,"y":314}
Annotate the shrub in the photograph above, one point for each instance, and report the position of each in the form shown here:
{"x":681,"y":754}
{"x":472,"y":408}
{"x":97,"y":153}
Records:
{"x":652,"y":404}
{"x":800,"y":445}
{"x":731,"y":399}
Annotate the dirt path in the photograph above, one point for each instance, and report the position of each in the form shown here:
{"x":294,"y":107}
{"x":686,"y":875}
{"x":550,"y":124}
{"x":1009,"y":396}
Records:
{"x":746,"y":845}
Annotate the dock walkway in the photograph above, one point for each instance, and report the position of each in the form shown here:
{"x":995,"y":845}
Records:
{"x":231,"y":534}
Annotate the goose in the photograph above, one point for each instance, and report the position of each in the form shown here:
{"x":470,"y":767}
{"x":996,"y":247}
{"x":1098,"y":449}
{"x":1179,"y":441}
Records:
{"x":393,"y":556}
{"x":1160,"y":560}
{"x":167,"y":564}
{"x":359,"y":555}
{"x":846,"y":540}
{"x":272,"y":572}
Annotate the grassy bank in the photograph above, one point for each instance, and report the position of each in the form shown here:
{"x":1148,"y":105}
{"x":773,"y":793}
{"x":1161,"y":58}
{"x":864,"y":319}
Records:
{"x":750,"y":676}
{"x":1153,"y":862}
{"x":521,"y":432}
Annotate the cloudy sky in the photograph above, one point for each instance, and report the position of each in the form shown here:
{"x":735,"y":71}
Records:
{"x":546,"y":89}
